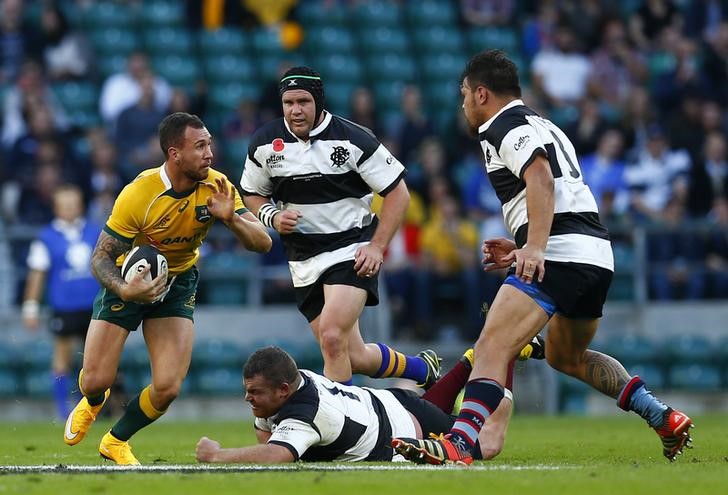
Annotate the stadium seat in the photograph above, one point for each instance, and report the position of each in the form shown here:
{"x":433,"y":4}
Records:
{"x":391,"y":67}
{"x":135,"y":357}
{"x":652,"y":374}
{"x":227,"y":276}
{"x":38,"y":382}
{"x":432,"y":12}
{"x":233,"y":161}
{"x":632,"y":349}
{"x":110,"y":65}
{"x":338,"y":68}
{"x":622,"y":287}
{"x":695,"y":376}
{"x":156,"y":13}
{"x":690,"y":349}
{"x":219,"y":381}
{"x":76,"y":95}
{"x":10,"y":384}
{"x":483,"y":39}
{"x":267,"y":41}
{"x":168,"y":41}
{"x":572,"y":395}
{"x":318,"y":13}
{"x":223,"y":41}
{"x":438,"y":39}
{"x":217,"y":352}
{"x":377,"y":13}
{"x":227,"y":96}
{"x":179,"y":71}
{"x":388,"y":95}
{"x":37,"y":355}
{"x":329,"y":39}
{"x":228,"y":68}
{"x":84,"y":119}
{"x":338,"y":97}
{"x":100,"y":15}
{"x":383,"y":40}
{"x":113,"y":41}
{"x":445,"y":67}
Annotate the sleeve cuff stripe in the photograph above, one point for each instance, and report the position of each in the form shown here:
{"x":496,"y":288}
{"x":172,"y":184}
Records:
{"x":115,"y":234}
{"x":288,"y":446}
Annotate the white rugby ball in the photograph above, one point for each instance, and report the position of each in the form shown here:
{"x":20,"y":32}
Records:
{"x":139,"y":258}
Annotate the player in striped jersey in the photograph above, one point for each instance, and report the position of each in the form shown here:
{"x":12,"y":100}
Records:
{"x":561,"y":266}
{"x":301,"y":415}
{"x":323,"y":172}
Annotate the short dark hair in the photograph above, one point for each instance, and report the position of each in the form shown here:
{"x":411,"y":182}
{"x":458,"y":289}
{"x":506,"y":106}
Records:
{"x":272,"y":363}
{"x":494,"y":70}
{"x":172,"y":129}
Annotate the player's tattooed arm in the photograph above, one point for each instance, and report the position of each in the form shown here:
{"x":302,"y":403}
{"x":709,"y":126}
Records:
{"x":103,"y":261}
{"x":605,"y":373}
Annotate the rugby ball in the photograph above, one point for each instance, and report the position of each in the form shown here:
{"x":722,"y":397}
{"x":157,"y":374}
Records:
{"x":139,"y":258}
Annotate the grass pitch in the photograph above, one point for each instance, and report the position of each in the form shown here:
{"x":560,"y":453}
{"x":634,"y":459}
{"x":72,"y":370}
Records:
{"x":562,"y":455}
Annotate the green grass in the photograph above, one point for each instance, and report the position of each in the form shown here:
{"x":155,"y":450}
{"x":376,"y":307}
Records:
{"x":594,"y":456}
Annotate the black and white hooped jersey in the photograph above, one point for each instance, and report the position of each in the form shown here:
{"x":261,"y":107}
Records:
{"x":330,"y":179}
{"x":511,"y":140}
{"x":327,"y":421}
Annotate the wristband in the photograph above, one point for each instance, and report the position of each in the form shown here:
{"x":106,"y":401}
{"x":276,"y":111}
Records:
{"x":507,"y":394}
{"x":30,"y":309}
{"x":267,"y":213}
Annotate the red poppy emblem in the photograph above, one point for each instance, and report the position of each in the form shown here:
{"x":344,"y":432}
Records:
{"x":278,"y":145}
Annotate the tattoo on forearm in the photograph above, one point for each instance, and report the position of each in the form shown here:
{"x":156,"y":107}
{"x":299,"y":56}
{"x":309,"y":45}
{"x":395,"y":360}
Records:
{"x":605,"y":373}
{"x":103,"y":261}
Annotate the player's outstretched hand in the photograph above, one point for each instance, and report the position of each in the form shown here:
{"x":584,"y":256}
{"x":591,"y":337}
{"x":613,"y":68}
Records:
{"x":498,"y":253}
{"x":221,"y":204}
{"x":143,"y":291}
{"x":206,"y":450}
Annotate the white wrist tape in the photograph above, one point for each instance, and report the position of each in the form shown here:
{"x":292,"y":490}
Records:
{"x":30,"y":309}
{"x":507,"y":394}
{"x":267,"y":213}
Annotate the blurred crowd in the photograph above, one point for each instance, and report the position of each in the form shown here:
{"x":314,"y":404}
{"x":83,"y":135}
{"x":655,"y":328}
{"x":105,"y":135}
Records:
{"x":640,"y":87}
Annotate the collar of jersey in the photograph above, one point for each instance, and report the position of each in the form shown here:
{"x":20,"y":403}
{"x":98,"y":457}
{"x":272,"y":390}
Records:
{"x":168,"y":184}
{"x":315,"y":131}
{"x":512,"y":104}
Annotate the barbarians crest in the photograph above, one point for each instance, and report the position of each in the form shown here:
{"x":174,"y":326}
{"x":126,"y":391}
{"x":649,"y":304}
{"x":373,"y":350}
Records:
{"x":487,"y":156}
{"x":339,"y":156}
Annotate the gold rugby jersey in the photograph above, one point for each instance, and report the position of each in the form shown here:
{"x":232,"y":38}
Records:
{"x":149,"y":211}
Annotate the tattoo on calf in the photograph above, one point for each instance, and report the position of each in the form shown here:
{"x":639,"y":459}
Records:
{"x":605,"y":373}
{"x":103,"y":260}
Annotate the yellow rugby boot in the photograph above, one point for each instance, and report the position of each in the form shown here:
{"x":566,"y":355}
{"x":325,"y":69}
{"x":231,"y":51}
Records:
{"x":113,"y":449}
{"x":80,"y":419}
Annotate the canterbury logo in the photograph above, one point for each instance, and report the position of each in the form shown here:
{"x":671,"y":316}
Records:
{"x":117,"y":307}
{"x":292,"y":82}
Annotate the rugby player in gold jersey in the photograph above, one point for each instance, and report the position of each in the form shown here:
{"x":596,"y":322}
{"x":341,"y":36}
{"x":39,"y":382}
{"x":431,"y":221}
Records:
{"x":171,"y":207}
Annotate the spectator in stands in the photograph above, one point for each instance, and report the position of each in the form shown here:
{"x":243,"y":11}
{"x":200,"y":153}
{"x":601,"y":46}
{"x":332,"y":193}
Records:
{"x":685,"y":123}
{"x":650,"y":19}
{"x":429,"y":162}
{"x":484,"y":13}
{"x":715,"y":64}
{"x":66,"y":54}
{"x":18,"y":40}
{"x":61,"y":256}
{"x":676,"y":257}
{"x":673,"y":68}
{"x":658,"y":175}
{"x":449,"y":269}
{"x":122,"y":90}
{"x":363,"y":111}
{"x":702,"y":19}
{"x":588,"y":128}
{"x":36,"y":203}
{"x":539,"y":30}
{"x":414,"y":126}
{"x":106,"y":181}
{"x":709,"y":175}
{"x":616,"y":66}
{"x":135,"y":131}
{"x":603,"y":171}
{"x":30,"y":92}
{"x":243,"y":122}
{"x":716,"y":261}
{"x":638,"y":115}
{"x":561,"y":72}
